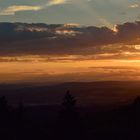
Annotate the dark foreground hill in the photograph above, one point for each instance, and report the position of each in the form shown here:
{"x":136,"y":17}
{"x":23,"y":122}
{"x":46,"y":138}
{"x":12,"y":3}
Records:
{"x":57,"y":114}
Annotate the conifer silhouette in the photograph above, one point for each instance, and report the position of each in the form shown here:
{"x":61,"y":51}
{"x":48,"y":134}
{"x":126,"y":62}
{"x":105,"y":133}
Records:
{"x":69,"y":101}
{"x":70,"y":126}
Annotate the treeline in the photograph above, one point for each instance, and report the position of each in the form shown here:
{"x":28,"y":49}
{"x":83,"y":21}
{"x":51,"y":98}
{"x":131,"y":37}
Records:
{"x":71,"y":123}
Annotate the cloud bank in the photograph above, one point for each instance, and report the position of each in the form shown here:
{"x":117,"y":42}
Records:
{"x":69,"y":39}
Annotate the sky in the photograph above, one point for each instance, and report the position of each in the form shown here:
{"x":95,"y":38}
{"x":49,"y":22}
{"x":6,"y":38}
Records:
{"x":53,"y":41}
{"x":84,"y":12}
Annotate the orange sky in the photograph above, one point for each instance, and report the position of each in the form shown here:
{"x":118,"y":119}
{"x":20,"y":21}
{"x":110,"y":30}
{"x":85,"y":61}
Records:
{"x":38,"y":69}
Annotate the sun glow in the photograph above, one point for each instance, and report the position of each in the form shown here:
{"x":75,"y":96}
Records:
{"x":115,"y":29}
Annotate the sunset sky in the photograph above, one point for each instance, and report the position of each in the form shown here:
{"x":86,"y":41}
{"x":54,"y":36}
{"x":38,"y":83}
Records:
{"x":69,"y":40}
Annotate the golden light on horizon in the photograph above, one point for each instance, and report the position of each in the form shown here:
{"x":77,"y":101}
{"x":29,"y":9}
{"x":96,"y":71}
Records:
{"x":29,"y":68}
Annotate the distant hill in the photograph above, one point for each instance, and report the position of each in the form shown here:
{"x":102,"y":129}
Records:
{"x":87,"y":94}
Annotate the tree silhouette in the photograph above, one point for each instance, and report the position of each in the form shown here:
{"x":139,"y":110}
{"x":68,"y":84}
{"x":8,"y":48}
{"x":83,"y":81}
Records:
{"x":70,"y":124}
{"x":5,"y":116}
{"x":136,"y":106}
{"x":3,"y":104}
{"x":137,"y":101}
{"x":4,"y":109}
{"x":20,"y":121}
{"x":69,"y":102}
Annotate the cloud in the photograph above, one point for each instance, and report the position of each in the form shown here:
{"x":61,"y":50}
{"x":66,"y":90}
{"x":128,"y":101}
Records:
{"x":134,"y":6}
{"x":11,"y":10}
{"x":59,"y":39}
{"x":56,"y":2}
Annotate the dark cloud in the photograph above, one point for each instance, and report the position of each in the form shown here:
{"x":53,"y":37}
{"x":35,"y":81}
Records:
{"x":22,"y":38}
{"x":128,"y":32}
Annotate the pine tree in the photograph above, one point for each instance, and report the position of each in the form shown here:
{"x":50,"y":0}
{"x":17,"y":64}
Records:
{"x":69,"y":102}
{"x":70,"y":125}
{"x":4,"y":109}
